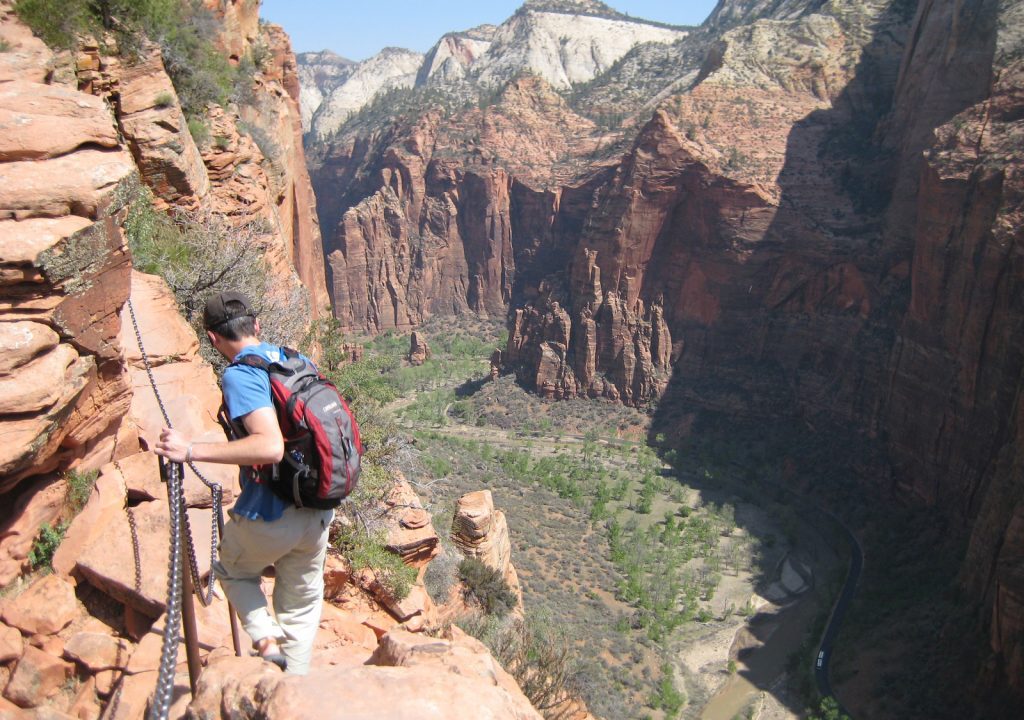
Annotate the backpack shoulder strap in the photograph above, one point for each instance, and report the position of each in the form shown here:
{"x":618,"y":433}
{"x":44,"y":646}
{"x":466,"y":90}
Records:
{"x":252,"y":361}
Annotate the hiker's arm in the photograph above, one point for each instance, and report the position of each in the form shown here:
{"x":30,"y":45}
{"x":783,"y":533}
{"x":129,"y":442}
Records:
{"x":262,"y":446}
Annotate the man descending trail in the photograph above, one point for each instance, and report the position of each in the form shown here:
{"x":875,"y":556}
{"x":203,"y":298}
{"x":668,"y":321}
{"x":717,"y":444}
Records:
{"x":264,"y":529}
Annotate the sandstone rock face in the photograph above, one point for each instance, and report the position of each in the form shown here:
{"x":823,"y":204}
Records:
{"x":410,"y":532}
{"x":421,"y":230}
{"x":251,"y":170}
{"x":427,"y":677}
{"x":568,"y":45}
{"x":419,"y":350}
{"x":240,"y":26}
{"x":454,"y":54}
{"x":280,"y":115}
{"x":63,"y":270}
{"x":249,"y":688}
{"x":480,"y":531}
{"x":153,"y":124}
{"x":954,"y":419}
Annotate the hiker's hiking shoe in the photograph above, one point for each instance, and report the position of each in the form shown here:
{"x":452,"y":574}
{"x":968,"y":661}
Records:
{"x":269,"y":650}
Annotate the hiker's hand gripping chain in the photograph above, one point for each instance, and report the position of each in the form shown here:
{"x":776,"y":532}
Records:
{"x":174,"y":446}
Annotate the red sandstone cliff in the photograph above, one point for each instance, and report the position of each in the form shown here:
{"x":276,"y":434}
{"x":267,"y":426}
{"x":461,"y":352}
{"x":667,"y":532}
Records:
{"x":251,"y":168}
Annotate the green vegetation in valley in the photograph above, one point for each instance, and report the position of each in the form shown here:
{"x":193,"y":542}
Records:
{"x":624,"y":558}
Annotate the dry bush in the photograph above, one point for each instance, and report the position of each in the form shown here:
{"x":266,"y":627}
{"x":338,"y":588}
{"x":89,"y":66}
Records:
{"x":200,"y":253}
{"x":537,"y":655}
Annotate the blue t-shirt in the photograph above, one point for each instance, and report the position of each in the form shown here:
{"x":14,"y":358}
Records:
{"x":245,"y":389}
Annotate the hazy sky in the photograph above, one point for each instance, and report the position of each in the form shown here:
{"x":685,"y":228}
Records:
{"x":357,"y":29}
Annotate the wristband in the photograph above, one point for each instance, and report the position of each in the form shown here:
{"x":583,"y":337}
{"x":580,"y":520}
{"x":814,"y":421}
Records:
{"x":188,"y":454}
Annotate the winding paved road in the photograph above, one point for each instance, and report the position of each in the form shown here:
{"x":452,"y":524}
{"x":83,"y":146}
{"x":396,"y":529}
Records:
{"x":838,"y":612}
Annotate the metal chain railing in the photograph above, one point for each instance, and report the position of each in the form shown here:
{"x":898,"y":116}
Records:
{"x":216,"y":491}
{"x":160,"y":706}
{"x":180,"y":529}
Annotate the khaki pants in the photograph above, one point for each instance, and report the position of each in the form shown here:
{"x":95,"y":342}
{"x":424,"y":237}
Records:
{"x":296,"y":545}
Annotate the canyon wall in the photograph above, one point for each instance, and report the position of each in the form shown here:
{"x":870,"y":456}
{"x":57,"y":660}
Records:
{"x":814,"y":216}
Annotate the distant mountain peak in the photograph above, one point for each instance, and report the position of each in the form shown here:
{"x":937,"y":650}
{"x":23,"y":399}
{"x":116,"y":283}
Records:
{"x":572,"y":7}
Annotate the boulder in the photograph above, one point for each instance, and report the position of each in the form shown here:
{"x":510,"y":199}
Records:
{"x":98,"y":651}
{"x":74,"y":184}
{"x":105,"y":507}
{"x":157,"y":133}
{"x":38,"y":504}
{"x":11,"y":644}
{"x":39,"y":383}
{"x":243,"y":688}
{"x":86,"y":706}
{"x":23,"y":340}
{"x":37,"y":676}
{"x":43,"y":121}
{"x":109,"y":562}
{"x":47,"y":606}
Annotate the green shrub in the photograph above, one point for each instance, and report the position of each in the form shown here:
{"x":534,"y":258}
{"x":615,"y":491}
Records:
{"x":829,"y":710}
{"x":164,"y":100}
{"x":667,"y":697}
{"x":368,"y":550}
{"x":199,"y":131}
{"x":5,"y":46}
{"x":185,"y":30}
{"x":56,"y":22}
{"x":46,"y":544}
{"x":442,"y":573}
{"x":79,"y":488}
{"x":539,"y":656}
{"x":487,"y":586}
{"x":438,"y":467}
{"x":263,"y":139}
{"x":199,"y":253}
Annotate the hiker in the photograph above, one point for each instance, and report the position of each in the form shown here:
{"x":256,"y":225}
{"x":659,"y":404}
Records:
{"x":264,"y":529}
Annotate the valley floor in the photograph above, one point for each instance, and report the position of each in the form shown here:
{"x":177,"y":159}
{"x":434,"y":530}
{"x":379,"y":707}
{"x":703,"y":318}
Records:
{"x":687,"y":592}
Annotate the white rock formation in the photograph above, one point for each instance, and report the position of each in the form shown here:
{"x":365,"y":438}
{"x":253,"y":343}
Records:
{"x":452,"y":56}
{"x":390,"y":68}
{"x":319,"y":73}
{"x":564,"y":49}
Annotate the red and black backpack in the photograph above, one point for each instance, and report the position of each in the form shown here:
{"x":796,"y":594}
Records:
{"x":322,"y":448}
